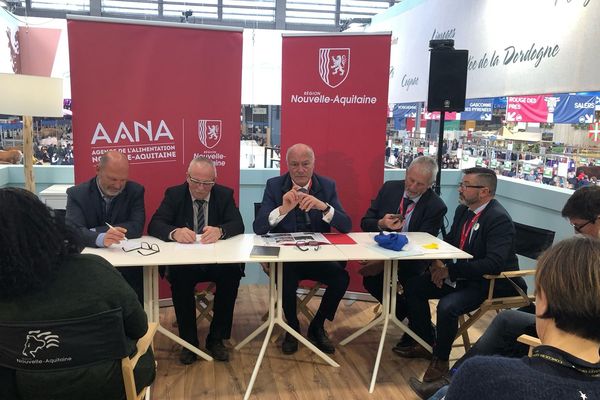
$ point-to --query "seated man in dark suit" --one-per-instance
(300, 201)
(482, 228)
(201, 206)
(403, 206)
(109, 198)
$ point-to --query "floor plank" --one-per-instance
(302, 376)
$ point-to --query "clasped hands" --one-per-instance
(439, 272)
(304, 201)
(210, 234)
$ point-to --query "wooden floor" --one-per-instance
(300, 376)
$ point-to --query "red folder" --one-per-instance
(339, 238)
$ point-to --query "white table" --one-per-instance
(238, 249)
(168, 255)
(367, 249)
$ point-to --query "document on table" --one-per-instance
(194, 246)
(277, 239)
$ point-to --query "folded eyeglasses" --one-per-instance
(145, 249)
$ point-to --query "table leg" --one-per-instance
(151, 306)
(385, 311)
(276, 317)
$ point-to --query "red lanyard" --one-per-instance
(409, 209)
(466, 230)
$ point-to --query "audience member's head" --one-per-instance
(33, 242)
(420, 175)
(567, 284)
(583, 210)
(301, 163)
(112, 172)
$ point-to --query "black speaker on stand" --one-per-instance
(447, 87)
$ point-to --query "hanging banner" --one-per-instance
(478, 110)
(572, 109)
(515, 47)
(403, 111)
(436, 115)
(334, 98)
(162, 94)
(528, 108)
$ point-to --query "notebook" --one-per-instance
(264, 252)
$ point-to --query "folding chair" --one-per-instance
(47, 346)
(530, 242)
(205, 301)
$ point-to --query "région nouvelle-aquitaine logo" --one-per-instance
(334, 65)
(209, 132)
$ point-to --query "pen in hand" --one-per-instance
(112, 227)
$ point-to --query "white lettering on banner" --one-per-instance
(123, 133)
(584, 105)
(217, 158)
(343, 100)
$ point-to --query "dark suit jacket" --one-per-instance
(427, 216)
(85, 210)
(322, 188)
(492, 245)
(176, 211)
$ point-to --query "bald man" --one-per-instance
(302, 201)
(109, 197)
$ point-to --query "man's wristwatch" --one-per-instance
(222, 232)
(326, 210)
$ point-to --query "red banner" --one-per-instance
(160, 93)
(334, 98)
(527, 109)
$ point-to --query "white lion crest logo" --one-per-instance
(37, 340)
(209, 132)
(334, 65)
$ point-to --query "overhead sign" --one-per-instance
(548, 46)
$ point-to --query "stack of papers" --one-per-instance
(280, 239)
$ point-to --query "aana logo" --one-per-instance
(209, 132)
(37, 340)
(334, 66)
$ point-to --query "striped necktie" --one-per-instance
(200, 222)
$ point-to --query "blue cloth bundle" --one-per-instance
(391, 241)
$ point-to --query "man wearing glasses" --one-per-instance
(200, 210)
(482, 228)
(301, 201)
(582, 210)
(409, 205)
(107, 207)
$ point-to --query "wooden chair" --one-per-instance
(75, 343)
(128, 365)
(530, 242)
(530, 341)
(310, 287)
(204, 302)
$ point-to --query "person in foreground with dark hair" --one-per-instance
(567, 314)
(44, 278)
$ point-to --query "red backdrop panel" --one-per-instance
(161, 94)
(334, 98)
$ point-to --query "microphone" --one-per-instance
(306, 216)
